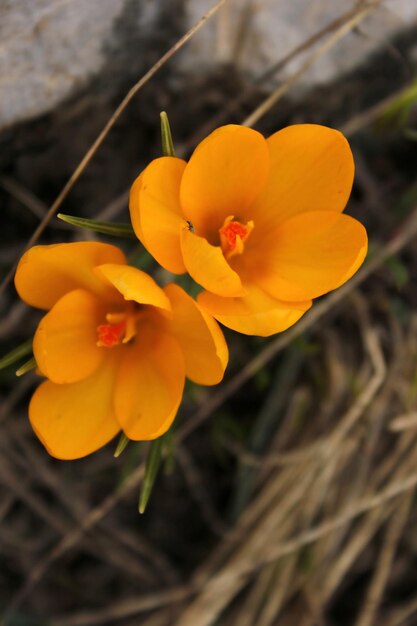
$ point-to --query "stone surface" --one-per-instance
(49, 49)
(257, 33)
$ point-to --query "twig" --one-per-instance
(233, 106)
(394, 489)
(383, 567)
(400, 616)
(199, 493)
(276, 95)
(217, 586)
(364, 118)
(72, 538)
(118, 611)
(103, 134)
(25, 197)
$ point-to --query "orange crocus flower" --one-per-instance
(115, 348)
(257, 222)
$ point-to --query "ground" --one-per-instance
(289, 495)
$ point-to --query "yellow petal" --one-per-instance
(254, 314)
(311, 254)
(223, 177)
(46, 273)
(156, 212)
(134, 285)
(207, 266)
(199, 336)
(74, 420)
(65, 343)
(149, 385)
(312, 169)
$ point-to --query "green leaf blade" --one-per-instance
(104, 228)
(122, 443)
(16, 354)
(28, 366)
(153, 463)
(166, 137)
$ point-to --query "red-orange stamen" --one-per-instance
(110, 335)
(233, 234)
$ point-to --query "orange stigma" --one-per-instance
(110, 335)
(120, 329)
(233, 235)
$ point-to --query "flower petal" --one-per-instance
(207, 266)
(312, 169)
(149, 385)
(65, 343)
(223, 177)
(199, 336)
(311, 254)
(156, 212)
(134, 206)
(74, 420)
(134, 285)
(46, 273)
(254, 314)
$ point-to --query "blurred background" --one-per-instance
(288, 496)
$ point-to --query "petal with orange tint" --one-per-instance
(149, 385)
(254, 314)
(199, 336)
(223, 177)
(156, 212)
(310, 254)
(74, 420)
(65, 343)
(312, 169)
(46, 273)
(134, 285)
(134, 206)
(207, 265)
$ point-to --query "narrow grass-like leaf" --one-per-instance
(397, 113)
(411, 133)
(26, 367)
(16, 354)
(153, 463)
(123, 441)
(170, 445)
(166, 137)
(399, 271)
(105, 228)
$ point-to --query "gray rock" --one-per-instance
(49, 49)
(255, 34)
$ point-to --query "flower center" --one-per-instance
(121, 328)
(233, 235)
